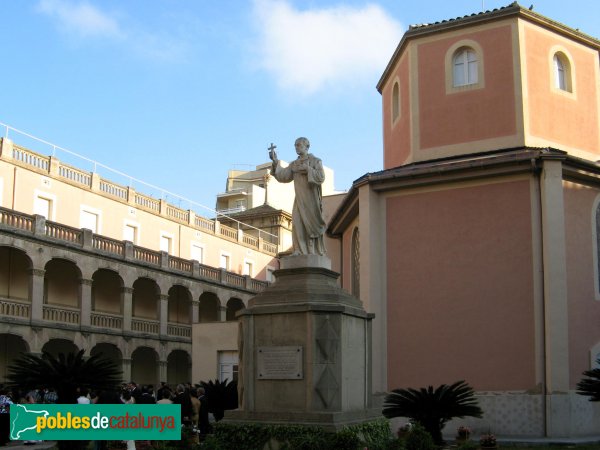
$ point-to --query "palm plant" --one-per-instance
(220, 396)
(590, 386)
(432, 408)
(65, 373)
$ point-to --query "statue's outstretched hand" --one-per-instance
(273, 156)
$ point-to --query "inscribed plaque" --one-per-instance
(279, 363)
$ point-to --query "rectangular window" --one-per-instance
(270, 277)
(43, 206)
(197, 253)
(165, 243)
(225, 261)
(248, 268)
(89, 220)
(130, 233)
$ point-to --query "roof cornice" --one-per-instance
(507, 162)
(512, 10)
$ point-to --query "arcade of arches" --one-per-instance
(59, 300)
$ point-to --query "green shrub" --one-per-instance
(375, 435)
(239, 437)
(396, 444)
(419, 439)
(345, 439)
(468, 445)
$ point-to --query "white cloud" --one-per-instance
(81, 18)
(310, 50)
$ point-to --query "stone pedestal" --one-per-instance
(305, 351)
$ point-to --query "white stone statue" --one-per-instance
(307, 174)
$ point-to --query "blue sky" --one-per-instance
(177, 92)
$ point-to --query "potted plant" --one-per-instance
(488, 440)
(463, 434)
(433, 407)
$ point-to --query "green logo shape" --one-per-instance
(95, 422)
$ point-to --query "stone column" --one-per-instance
(558, 405)
(163, 314)
(88, 236)
(162, 371)
(373, 277)
(164, 260)
(222, 314)
(36, 295)
(127, 307)
(195, 311)
(126, 364)
(85, 294)
(39, 225)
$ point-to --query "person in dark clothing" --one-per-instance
(145, 397)
(159, 392)
(182, 398)
(203, 422)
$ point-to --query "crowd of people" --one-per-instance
(194, 404)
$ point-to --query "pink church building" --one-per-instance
(477, 244)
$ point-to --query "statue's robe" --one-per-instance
(308, 225)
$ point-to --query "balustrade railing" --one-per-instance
(61, 314)
(30, 158)
(234, 279)
(16, 220)
(63, 232)
(257, 285)
(147, 202)
(145, 255)
(180, 264)
(11, 308)
(113, 189)
(108, 245)
(228, 232)
(250, 240)
(269, 247)
(145, 326)
(205, 224)
(178, 214)
(105, 320)
(210, 273)
(115, 247)
(76, 175)
(178, 330)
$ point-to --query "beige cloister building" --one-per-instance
(89, 264)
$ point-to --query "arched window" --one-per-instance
(562, 72)
(465, 67)
(355, 263)
(395, 102)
